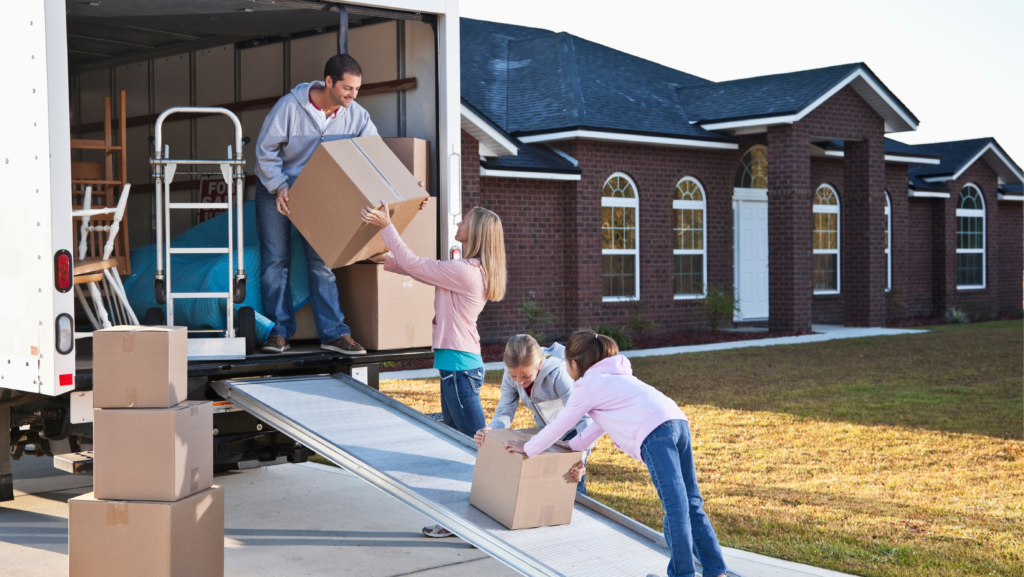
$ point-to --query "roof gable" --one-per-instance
(958, 156)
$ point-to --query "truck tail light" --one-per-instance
(456, 254)
(65, 333)
(62, 276)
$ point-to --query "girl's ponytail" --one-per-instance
(587, 348)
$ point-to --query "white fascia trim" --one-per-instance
(936, 178)
(911, 159)
(1010, 197)
(1002, 157)
(533, 175)
(924, 194)
(835, 153)
(634, 138)
(503, 144)
(791, 118)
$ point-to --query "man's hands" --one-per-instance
(282, 200)
(480, 435)
(578, 470)
(380, 217)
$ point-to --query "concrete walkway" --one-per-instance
(821, 333)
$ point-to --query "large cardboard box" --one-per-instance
(415, 155)
(522, 493)
(153, 454)
(385, 310)
(139, 367)
(421, 234)
(133, 538)
(341, 178)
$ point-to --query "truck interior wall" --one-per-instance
(208, 77)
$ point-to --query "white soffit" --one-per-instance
(896, 120)
(523, 174)
(1010, 197)
(495, 143)
(631, 138)
(888, 157)
(926, 194)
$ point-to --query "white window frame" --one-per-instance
(967, 212)
(693, 205)
(888, 243)
(827, 208)
(633, 203)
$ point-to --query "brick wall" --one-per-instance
(1011, 257)
(789, 228)
(913, 258)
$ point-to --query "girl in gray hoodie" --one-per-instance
(537, 377)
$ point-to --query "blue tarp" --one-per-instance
(209, 273)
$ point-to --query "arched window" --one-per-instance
(826, 240)
(689, 238)
(888, 242)
(620, 243)
(970, 238)
(753, 169)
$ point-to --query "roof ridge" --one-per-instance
(572, 92)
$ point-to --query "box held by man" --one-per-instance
(341, 178)
(133, 538)
(139, 367)
(153, 454)
(522, 493)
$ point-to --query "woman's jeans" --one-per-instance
(668, 454)
(274, 231)
(460, 400)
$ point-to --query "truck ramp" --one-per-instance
(429, 467)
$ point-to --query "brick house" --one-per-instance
(620, 179)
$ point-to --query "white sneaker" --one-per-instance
(437, 532)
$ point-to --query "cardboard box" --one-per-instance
(132, 538)
(153, 454)
(139, 367)
(522, 493)
(341, 178)
(415, 155)
(385, 310)
(421, 234)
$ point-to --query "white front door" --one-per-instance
(752, 259)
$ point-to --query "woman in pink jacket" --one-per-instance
(463, 287)
(649, 427)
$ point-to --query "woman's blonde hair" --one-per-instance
(522, 351)
(487, 243)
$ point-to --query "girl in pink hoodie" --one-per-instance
(649, 427)
(463, 287)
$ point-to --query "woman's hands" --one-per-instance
(578, 470)
(378, 216)
(480, 435)
(515, 446)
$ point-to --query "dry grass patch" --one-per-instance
(888, 456)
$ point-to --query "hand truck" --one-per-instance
(230, 347)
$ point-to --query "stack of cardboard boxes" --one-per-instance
(155, 510)
(385, 311)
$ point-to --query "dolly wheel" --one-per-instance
(247, 328)
(154, 318)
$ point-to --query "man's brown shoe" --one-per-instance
(275, 344)
(344, 345)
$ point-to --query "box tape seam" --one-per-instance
(117, 513)
(377, 170)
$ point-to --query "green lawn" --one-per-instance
(885, 456)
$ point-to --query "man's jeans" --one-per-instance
(274, 232)
(668, 454)
(460, 400)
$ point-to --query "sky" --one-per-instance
(957, 65)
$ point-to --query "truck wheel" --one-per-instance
(154, 318)
(247, 328)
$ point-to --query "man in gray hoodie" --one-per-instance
(312, 113)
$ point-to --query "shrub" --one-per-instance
(719, 306)
(956, 316)
(977, 311)
(893, 306)
(535, 315)
(618, 335)
(637, 323)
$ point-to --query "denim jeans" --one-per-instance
(460, 400)
(668, 454)
(581, 486)
(274, 232)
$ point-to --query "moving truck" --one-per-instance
(63, 59)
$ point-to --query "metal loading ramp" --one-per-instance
(429, 467)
